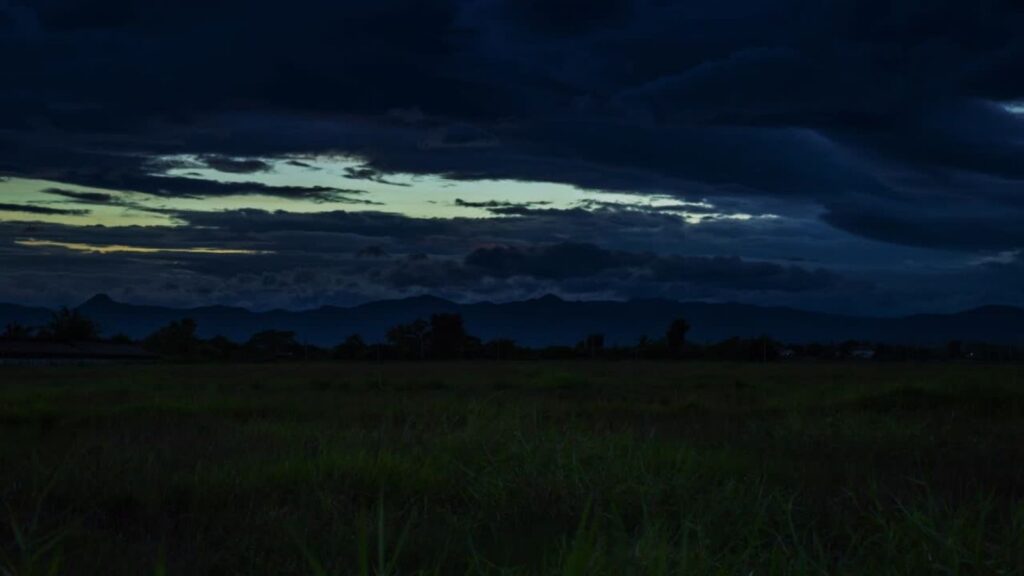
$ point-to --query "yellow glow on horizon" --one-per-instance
(122, 248)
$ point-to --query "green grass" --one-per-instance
(512, 469)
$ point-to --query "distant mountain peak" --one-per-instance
(100, 299)
(549, 298)
(427, 299)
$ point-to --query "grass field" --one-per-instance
(512, 468)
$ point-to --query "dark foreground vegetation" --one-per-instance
(445, 337)
(582, 467)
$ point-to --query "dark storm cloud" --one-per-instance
(181, 187)
(235, 165)
(369, 224)
(306, 260)
(43, 210)
(574, 260)
(783, 98)
(629, 229)
(372, 252)
(83, 197)
(566, 260)
(884, 120)
(138, 173)
(735, 273)
(371, 174)
(369, 262)
(564, 17)
(933, 229)
(461, 136)
(499, 206)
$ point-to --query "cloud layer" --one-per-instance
(884, 137)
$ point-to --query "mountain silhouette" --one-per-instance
(550, 320)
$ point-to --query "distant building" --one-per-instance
(25, 352)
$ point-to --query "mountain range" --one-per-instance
(550, 320)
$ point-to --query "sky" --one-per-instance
(855, 156)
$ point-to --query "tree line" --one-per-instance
(445, 337)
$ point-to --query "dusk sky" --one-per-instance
(853, 156)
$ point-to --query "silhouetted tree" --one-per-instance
(447, 336)
(954, 349)
(472, 347)
(675, 336)
(766, 349)
(409, 340)
(220, 348)
(69, 324)
(353, 348)
(593, 344)
(15, 331)
(274, 344)
(644, 348)
(176, 339)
